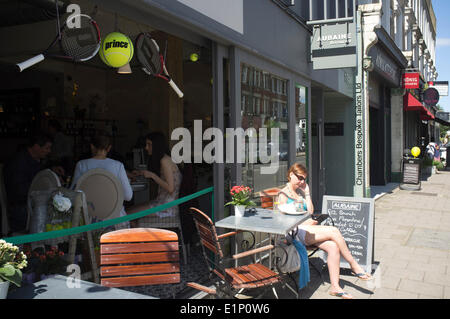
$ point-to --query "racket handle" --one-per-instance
(176, 89)
(30, 62)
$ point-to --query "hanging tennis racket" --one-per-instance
(75, 43)
(152, 61)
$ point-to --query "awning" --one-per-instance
(441, 121)
(410, 103)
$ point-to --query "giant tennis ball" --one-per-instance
(116, 50)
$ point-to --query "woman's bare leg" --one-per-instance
(333, 263)
(318, 234)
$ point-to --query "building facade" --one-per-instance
(254, 70)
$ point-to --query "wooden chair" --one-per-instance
(139, 256)
(268, 197)
(232, 279)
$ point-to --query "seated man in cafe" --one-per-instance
(100, 147)
(19, 172)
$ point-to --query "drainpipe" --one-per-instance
(368, 16)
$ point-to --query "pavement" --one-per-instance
(412, 246)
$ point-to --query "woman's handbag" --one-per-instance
(287, 257)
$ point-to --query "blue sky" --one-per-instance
(442, 11)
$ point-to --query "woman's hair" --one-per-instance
(159, 149)
(101, 142)
(297, 169)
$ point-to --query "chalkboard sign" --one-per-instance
(411, 171)
(355, 219)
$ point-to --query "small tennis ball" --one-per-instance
(194, 57)
(116, 50)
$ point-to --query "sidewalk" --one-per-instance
(412, 246)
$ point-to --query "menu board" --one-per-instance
(411, 171)
(354, 217)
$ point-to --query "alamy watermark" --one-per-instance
(237, 142)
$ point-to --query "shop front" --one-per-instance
(234, 73)
(388, 65)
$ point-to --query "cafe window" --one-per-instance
(301, 124)
(267, 93)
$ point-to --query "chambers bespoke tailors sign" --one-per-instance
(334, 46)
(354, 217)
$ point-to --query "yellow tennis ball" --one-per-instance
(194, 57)
(415, 151)
(116, 50)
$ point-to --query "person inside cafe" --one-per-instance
(310, 233)
(19, 172)
(165, 173)
(100, 146)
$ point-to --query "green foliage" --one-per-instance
(11, 262)
(439, 165)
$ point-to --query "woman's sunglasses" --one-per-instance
(300, 177)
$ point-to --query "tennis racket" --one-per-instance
(75, 44)
(152, 61)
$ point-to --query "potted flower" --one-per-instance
(240, 199)
(59, 211)
(44, 262)
(12, 261)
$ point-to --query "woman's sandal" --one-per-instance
(363, 276)
(343, 295)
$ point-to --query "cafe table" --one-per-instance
(272, 222)
(62, 287)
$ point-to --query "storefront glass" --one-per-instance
(264, 105)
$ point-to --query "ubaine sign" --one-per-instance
(354, 217)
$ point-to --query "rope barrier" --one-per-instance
(85, 228)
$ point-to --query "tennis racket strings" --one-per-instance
(148, 55)
(81, 43)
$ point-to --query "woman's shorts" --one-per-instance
(298, 234)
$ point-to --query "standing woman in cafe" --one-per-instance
(100, 146)
(327, 238)
(164, 172)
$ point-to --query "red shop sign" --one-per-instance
(411, 80)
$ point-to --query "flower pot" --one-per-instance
(239, 210)
(4, 285)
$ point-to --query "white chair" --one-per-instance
(104, 193)
(3, 204)
(103, 198)
(45, 180)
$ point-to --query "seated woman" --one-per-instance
(100, 147)
(164, 172)
(327, 238)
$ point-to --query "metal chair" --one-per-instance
(44, 180)
(232, 279)
(103, 199)
(104, 193)
(139, 256)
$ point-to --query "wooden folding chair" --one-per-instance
(232, 279)
(139, 256)
(268, 197)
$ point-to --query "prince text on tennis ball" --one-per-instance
(116, 50)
